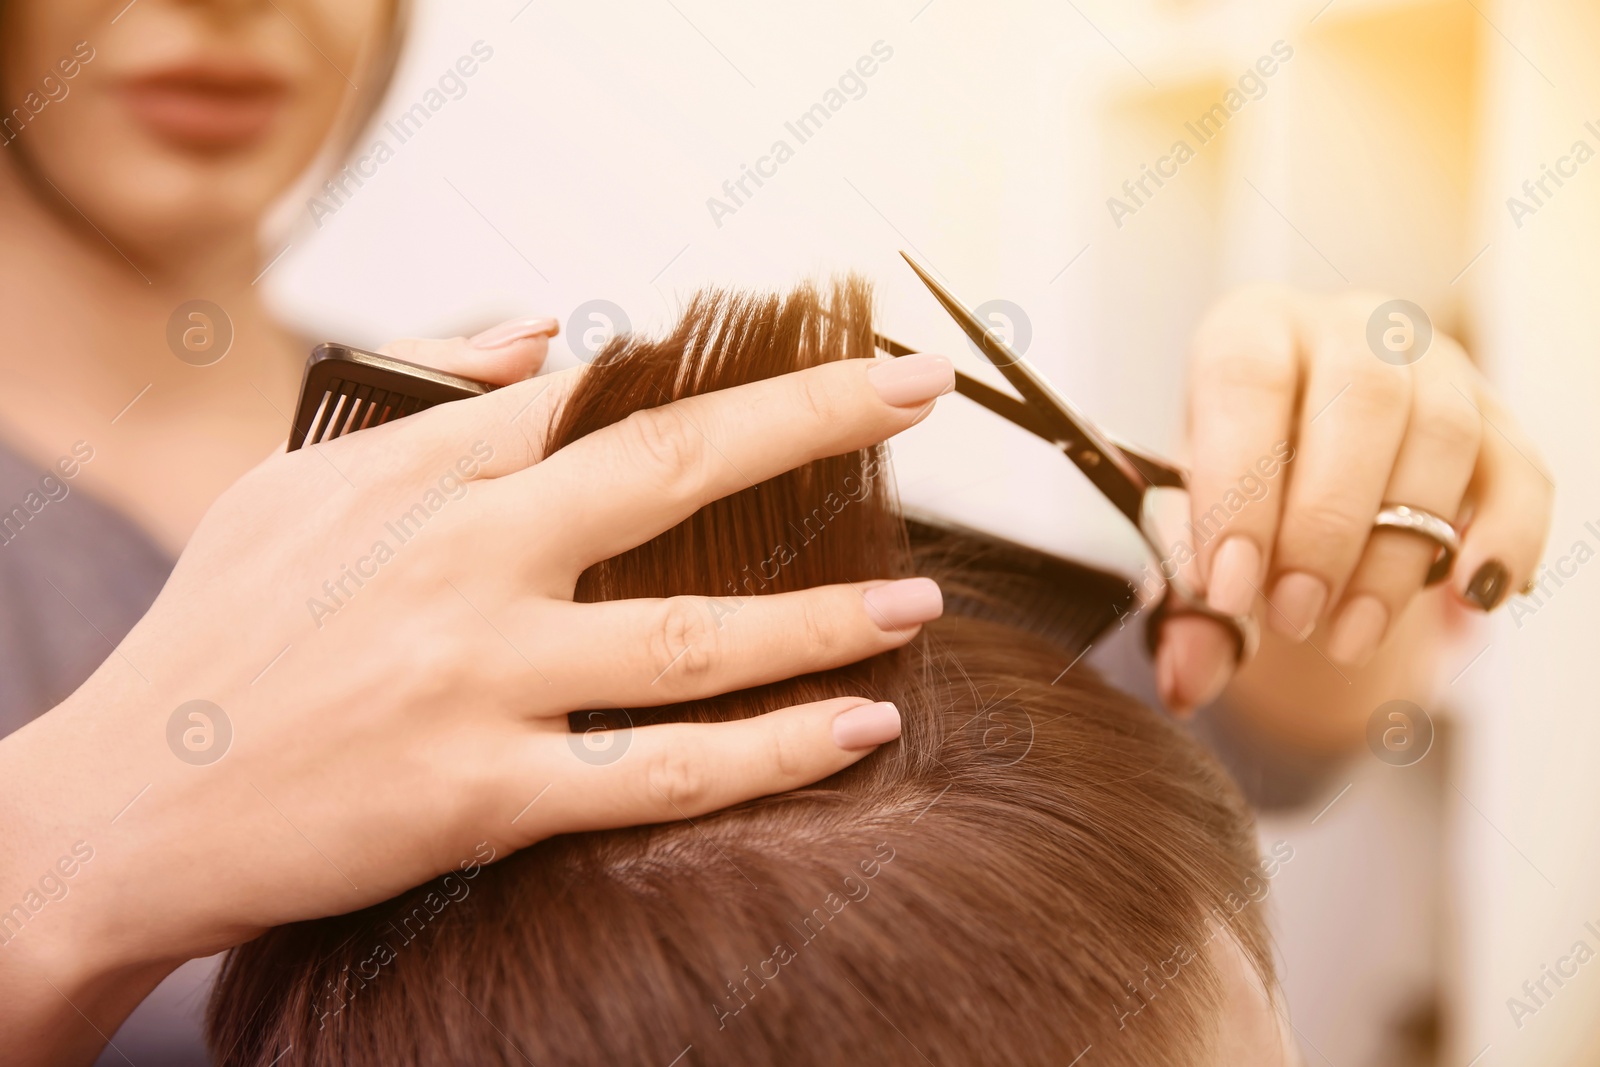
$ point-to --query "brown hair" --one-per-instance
(1033, 868)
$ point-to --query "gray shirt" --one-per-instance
(75, 575)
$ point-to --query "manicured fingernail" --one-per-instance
(1358, 630)
(1296, 604)
(1167, 682)
(1213, 670)
(907, 602)
(914, 379)
(1235, 569)
(1488, 585)
(516, 330)
(868, 726)
(1199, 662)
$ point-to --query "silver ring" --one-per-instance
(1424, 523)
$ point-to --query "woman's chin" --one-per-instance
(154, 194)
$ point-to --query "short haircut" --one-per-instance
(1035, 867)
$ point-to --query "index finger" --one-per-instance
(620, 486)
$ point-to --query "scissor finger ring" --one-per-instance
(1245, 630)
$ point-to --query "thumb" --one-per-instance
(500, 355)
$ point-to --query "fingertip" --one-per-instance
(1296, 604)
(511, 351)
(866, 726)
(506, 364)
(1358, 631)
(513, 332)
(1167, 684)
(1486, 586)
(1200, 665)
(902, 606)
(912, 381)
(1235, 570)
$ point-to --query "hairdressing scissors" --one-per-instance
(1125, 476)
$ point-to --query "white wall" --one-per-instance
(1533, 880)
(592, 140)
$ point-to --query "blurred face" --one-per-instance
(174, 121)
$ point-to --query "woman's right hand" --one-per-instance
(383, 633)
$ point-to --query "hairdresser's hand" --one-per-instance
(1300, 435)
(383, 629)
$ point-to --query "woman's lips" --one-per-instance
(205, 109)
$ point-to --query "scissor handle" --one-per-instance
(1132, 499)
(1176, 601)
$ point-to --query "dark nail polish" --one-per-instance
(1488, 585)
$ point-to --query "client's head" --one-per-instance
(1038, 867)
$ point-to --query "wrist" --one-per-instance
(60, 1005)
(73, 959)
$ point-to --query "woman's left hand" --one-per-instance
(1288, 382)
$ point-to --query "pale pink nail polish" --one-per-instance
(1167, 682)
(516, 330)
(1296, 604)
(914, 379)
(1215, 682)
(1201, 661)
(1235, 569)
(867, 726)
(1358, 631)
(907, 602)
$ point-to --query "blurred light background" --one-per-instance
(578, 164)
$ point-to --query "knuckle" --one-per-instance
(530, 443)
(817, 396)
(1448, 422)
(1247, 339)
(661, 440)
(1322, 530)
(818, 627)
(682, 782)
(1255, 362)
(786, 751)
(1378, 392)
(684, 643)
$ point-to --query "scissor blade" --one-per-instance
(1102, 462)
(1003, 404)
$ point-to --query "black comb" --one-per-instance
(346, 389)
(986, 577)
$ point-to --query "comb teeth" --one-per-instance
(346, 389)
(348, 406)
